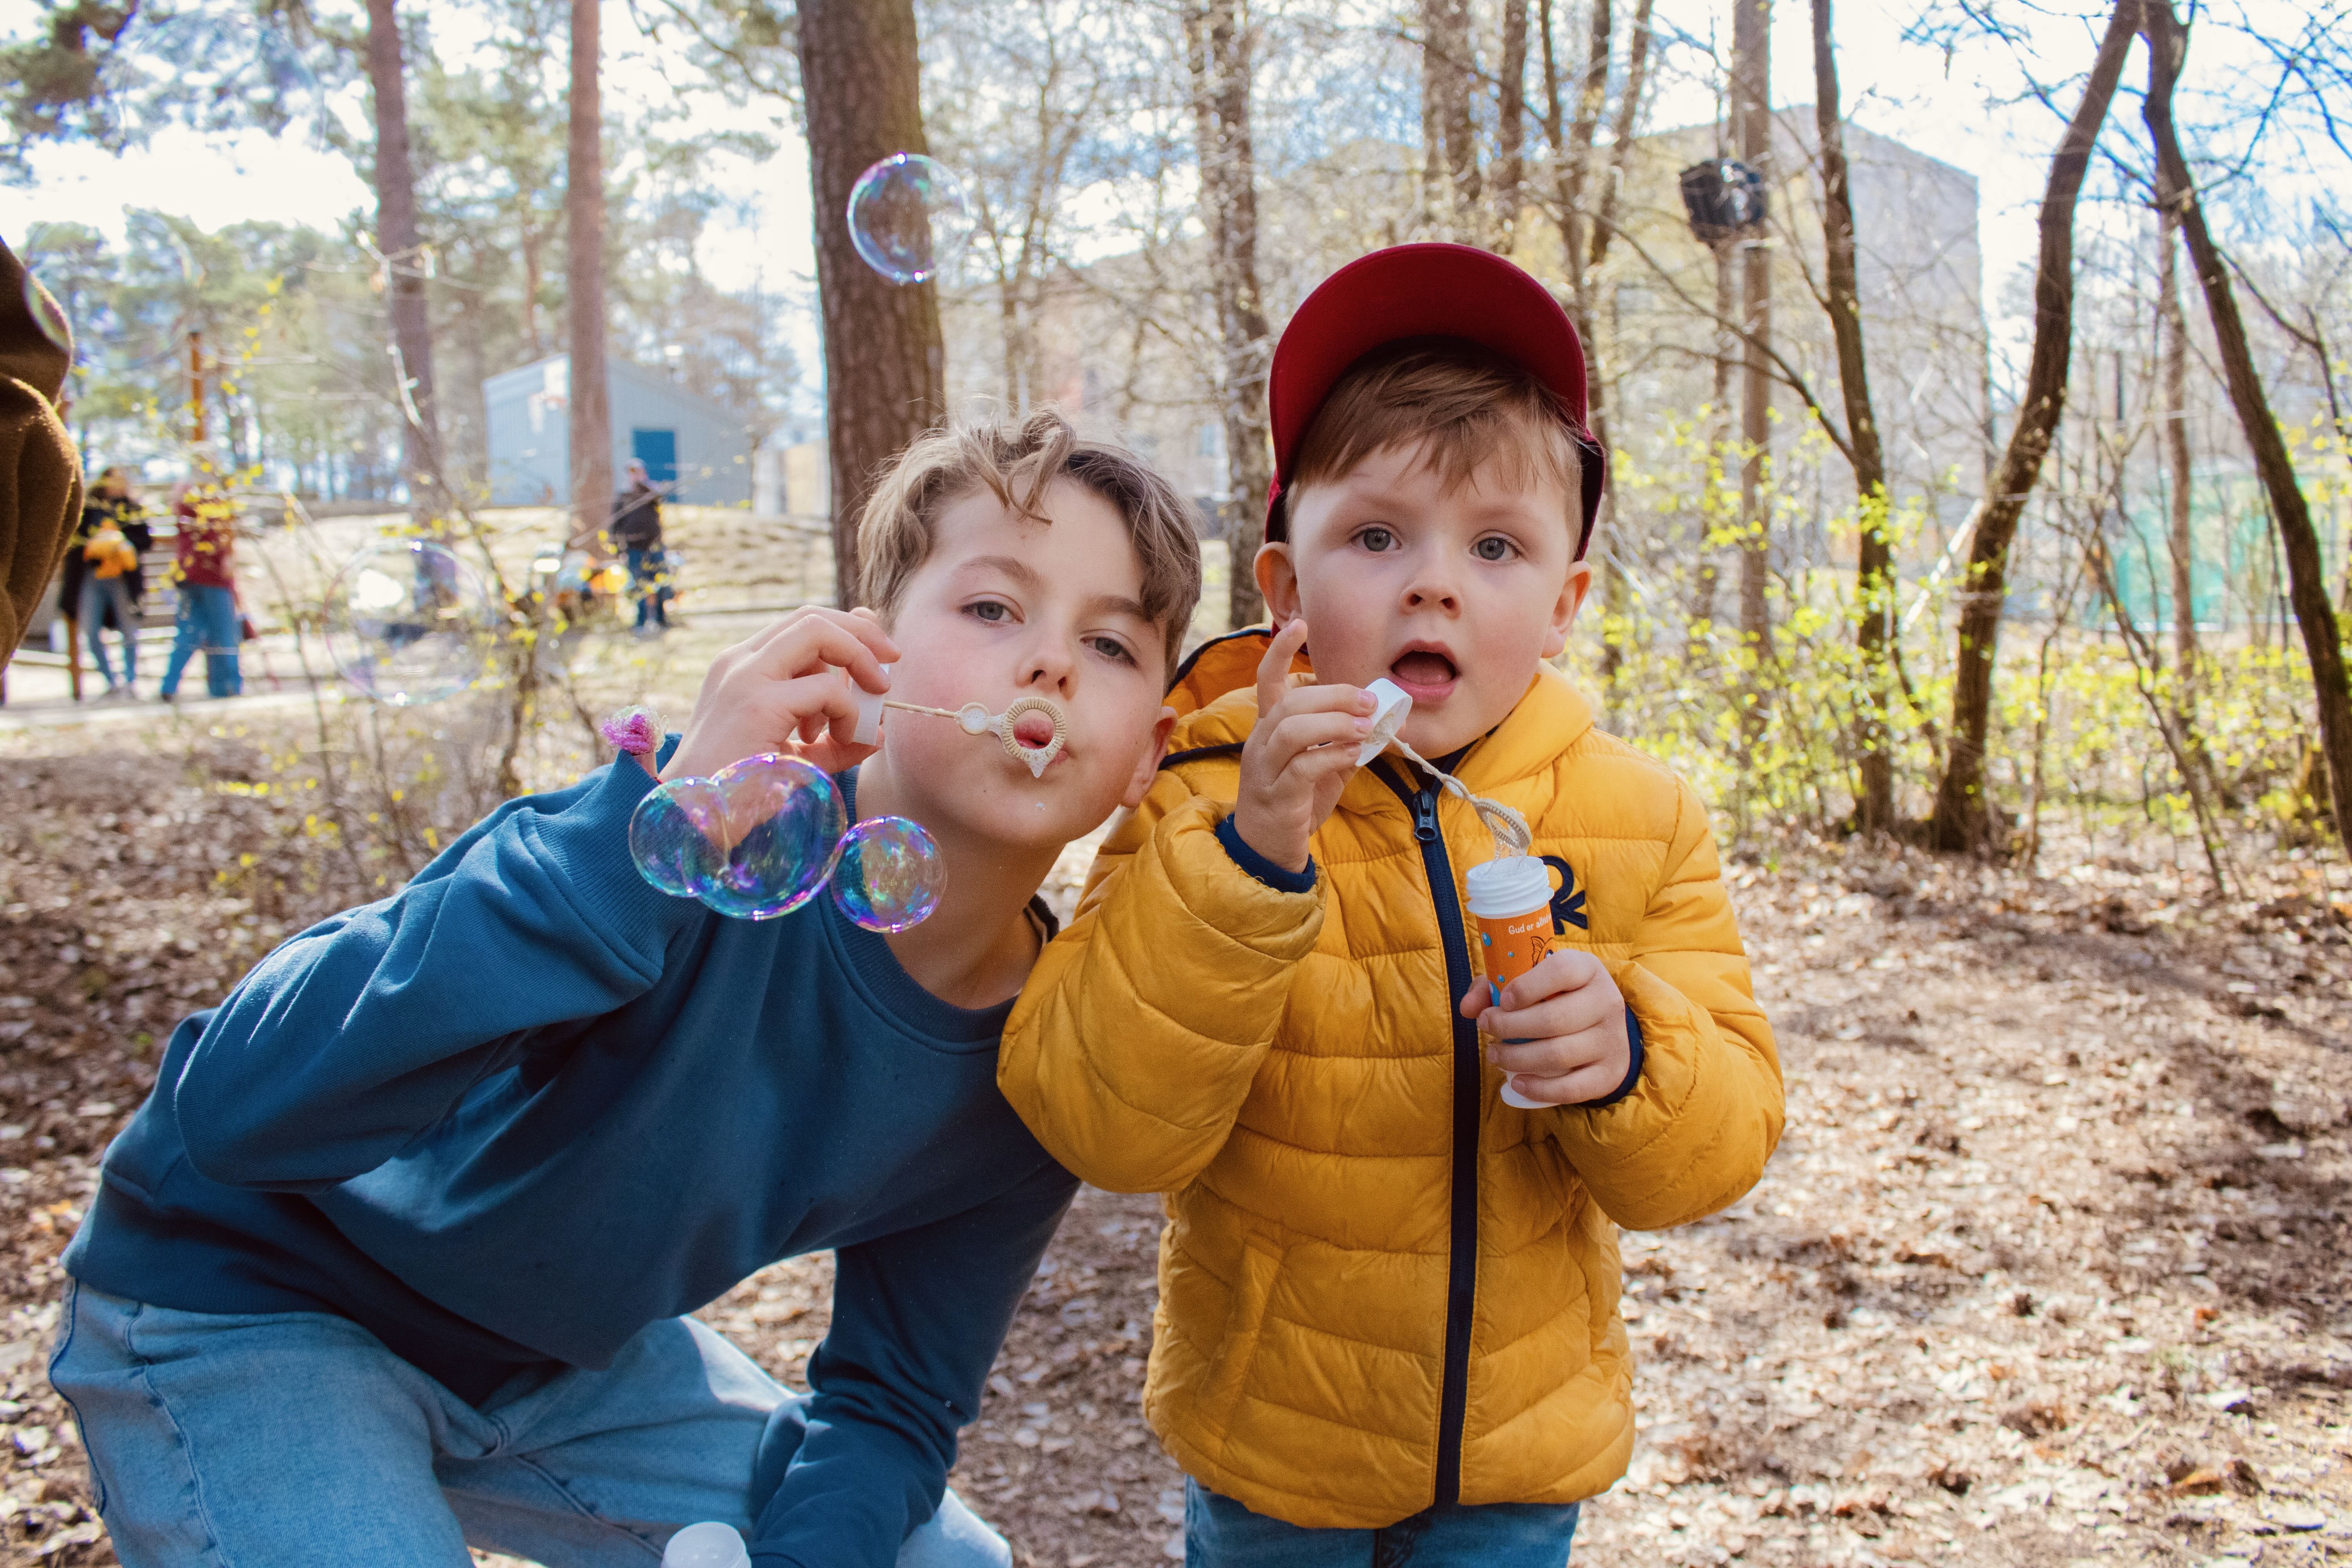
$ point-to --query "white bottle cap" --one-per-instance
(712, 1544)
(1395, 708)
(869, 713)
(1514, 885)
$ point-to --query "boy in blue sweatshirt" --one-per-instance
(394, 1257)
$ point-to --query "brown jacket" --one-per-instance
(40, 477)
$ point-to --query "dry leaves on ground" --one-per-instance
(2049, 1268)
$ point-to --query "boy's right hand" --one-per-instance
(1300, 755)
(791, 687)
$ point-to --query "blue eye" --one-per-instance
(1494, 547)
(1111, 648)
(1377, 540)
(989, 610)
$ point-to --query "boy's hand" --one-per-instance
(788, 689)
(1300, 755)
(1560, 1031)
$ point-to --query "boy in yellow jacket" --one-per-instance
(1388, 1324)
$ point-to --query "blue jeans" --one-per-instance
(1221, 1533)
(294, 1439)
(91, 612)
(207, 619)
(647, 580)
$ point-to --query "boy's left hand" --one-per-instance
(1560, 1031)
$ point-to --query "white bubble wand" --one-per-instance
(974, 719)
(1508, 827)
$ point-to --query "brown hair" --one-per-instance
(1015, 463)
(1463, 405)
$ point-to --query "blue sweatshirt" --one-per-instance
(529, 1105)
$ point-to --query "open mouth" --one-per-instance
(1423, 672)
(1034, 730)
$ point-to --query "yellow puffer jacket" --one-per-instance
(1381, 1288)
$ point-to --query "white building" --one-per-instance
(699, 449)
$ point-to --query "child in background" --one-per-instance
(102, 582)
(1388, 1325)
(394, 1259)
(204, 572)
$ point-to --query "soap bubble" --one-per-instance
(408, 623)
(908, 218)
(890, 874)
(220, 68)
(782, 834)
(674, 834)
(47, 313)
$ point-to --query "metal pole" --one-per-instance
(196, 387)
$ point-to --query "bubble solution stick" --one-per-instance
(976, 719)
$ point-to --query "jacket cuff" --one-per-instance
(1280, 878)
(588, 844)
(1632, 1068)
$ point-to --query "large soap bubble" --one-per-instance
(783, 833)
(225, 67)
(890, 875)
(408, 623)
(675, 833)
(908, 218)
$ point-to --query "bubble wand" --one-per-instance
(1510, 897)
(974, 719)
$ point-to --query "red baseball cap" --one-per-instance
(1429, 291)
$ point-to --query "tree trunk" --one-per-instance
(1451, 161)
(1615, 587)
(1873, 584)
(1218, 42)
(2172, 328)
(583, 211)
(1620, 131)
(403, 283)
(1963, 819)
(2168, 44)
(884, 362)
(1510, 125)
(1718, 443)
(1752, 88)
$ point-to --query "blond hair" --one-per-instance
(1462, 405)
(1015, 462)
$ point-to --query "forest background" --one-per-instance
(1990, 575)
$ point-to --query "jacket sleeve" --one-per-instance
(1138, 1035)
(918, 1319)
(348, 1040)
(1693, 1135)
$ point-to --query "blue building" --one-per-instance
(698, 450)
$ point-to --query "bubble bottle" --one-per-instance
(1508, 897)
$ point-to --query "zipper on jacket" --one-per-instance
(1462, 1237)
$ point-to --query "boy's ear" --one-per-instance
(1563, 612)
(1277, 582)
(1148, 769)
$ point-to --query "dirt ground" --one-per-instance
(2051, 1266)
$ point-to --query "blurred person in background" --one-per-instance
(102, 577)
(207, 616)
(638, 529)
(40, 477)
